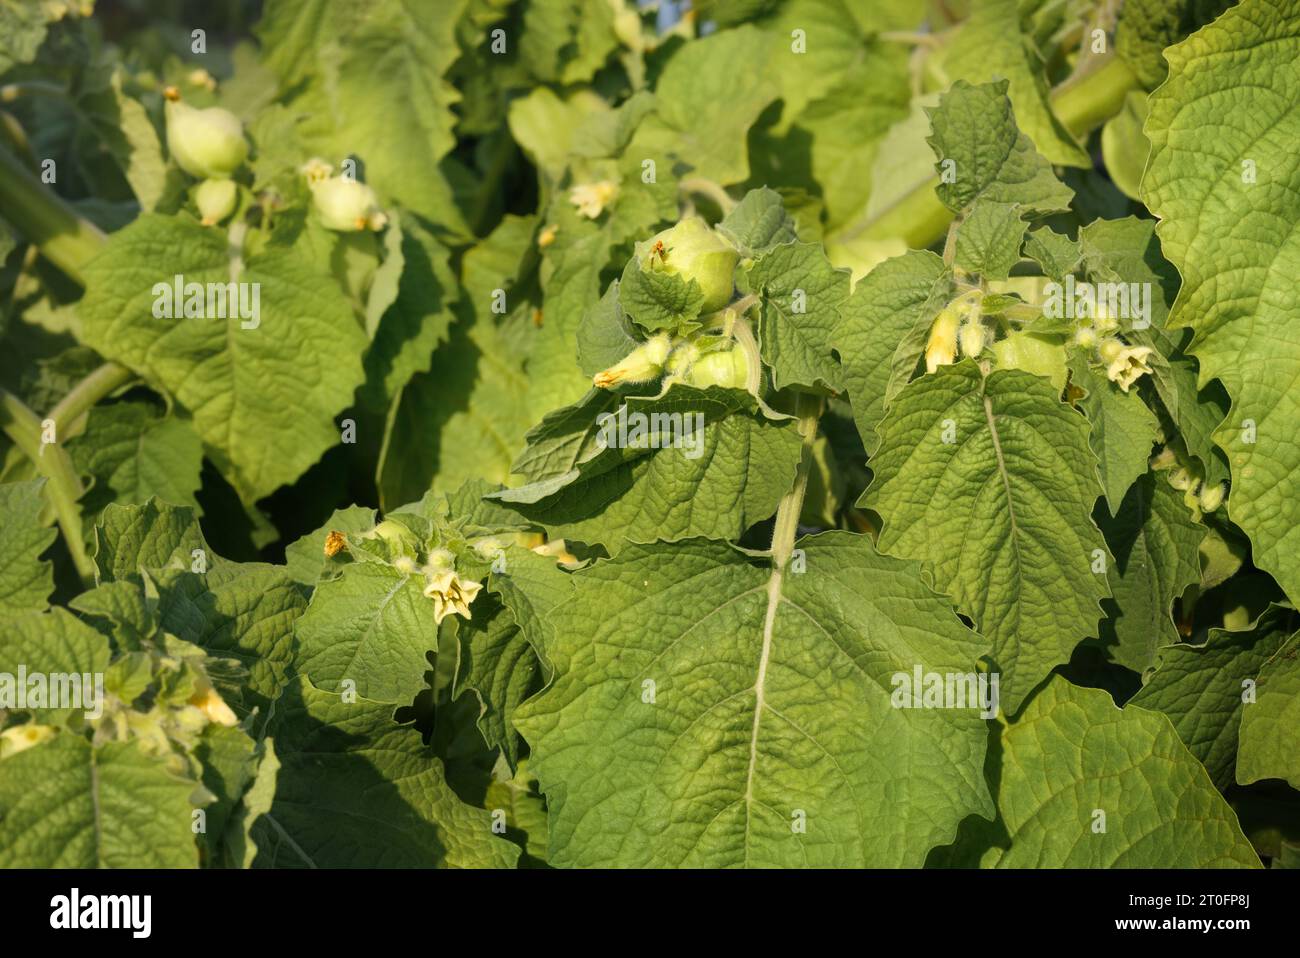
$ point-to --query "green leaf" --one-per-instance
(882, 332)
(758, 223)
(1147, 27)
(50, 642)
(372, 625)
(993, 43)
(245, 611)
(304, 558)
(974, 128)
(1234, 301)
(756, 701)
(1268, 724)
(23, 25)
(246, 388)
(1073, 756)
(988, 240)
(1155, 544)
(135, 452)
(659, 300)
(1124, 147)
(419, 317)
(606, 334)
(567, 41)
(69, 804)
(151, 536)
(713, 483)
(464, 419)
(498, 663)
(1200, 688)
(238, 845)
(355, 790)
(25, 580)
(802, 295)
(1123, 430)
(525, 813)
(991, 483)
(1057, 254)
(708, 96)
(379, 90)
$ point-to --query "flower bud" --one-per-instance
(972, 338)
(206, 143)
(941, 349)
(693, 251)
(215, 200)
(1085, 337)
(345, 204)
(1212, 497)
(641, 365)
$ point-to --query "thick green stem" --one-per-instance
(63, 487)
(1082, 104)
(64, 238)
(699, 186)
(808, 410)
(85, 394)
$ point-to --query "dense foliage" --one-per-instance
(499, 433)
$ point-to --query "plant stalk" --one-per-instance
(65, 239)
(808, 410)
(63, 485)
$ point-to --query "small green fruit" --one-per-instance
(206, 143)
(693, 251)
(346, 205)
(216, 200)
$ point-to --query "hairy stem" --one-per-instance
(808, 410)
(63, 486)
(699, 186)
(64, 238)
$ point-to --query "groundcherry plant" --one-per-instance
(803, 433)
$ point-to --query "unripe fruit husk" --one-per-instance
(345, 204)
(693, 251)
(205, 143)
(728, 368)
(216, 200)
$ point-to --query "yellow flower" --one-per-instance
(941, 349)
(557, 550)
(317, 170)
(547, 236)
(1126, 363)
(22, 737)
(450, 593)
(210, 703)
(592, 198)
(641, 365)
